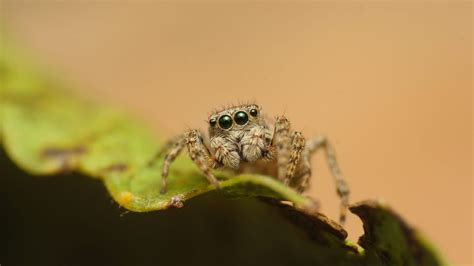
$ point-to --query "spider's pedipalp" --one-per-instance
(253, 143)
(225, 151)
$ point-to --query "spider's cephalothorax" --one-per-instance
(238, 134)
(241, 139)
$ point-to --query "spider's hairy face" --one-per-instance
(237, 134)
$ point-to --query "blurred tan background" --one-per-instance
(389, 83)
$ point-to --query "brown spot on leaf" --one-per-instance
(56, 152)
(64, 156)
(117, 167)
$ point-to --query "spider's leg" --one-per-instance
(301, 181)
(297, 147)
(176, 147)
(281, 141)
(200, 155)
(342, 189)
(166, 147)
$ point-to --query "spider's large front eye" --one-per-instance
(225, 122)
(241, 118)
(254, 112)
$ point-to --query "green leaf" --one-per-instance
(46, 130)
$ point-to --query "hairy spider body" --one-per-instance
(241, 139)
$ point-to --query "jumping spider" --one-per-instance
(240, 139)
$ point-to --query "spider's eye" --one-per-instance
(212, 122)
(241, 118)
(254, 112)
(225, 122)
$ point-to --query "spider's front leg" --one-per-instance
(281, 142)
(297, 147)
(289, 149)
(197, 151)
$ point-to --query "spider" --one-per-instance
(241, 139)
